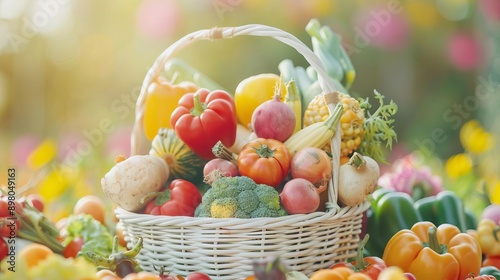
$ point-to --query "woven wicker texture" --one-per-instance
(225, 248)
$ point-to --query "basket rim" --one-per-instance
(296, 219)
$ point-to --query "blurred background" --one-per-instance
(70, 72)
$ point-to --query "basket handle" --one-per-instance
(229, 32)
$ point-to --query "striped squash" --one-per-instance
(183, 163)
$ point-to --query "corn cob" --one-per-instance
(293, 100)
(351, 122)
(317, 134)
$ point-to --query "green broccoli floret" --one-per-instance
(239, 197)
(267, 196)
(248, 200)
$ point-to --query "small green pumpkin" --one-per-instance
(183, 163)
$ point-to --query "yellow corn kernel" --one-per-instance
(351, 122)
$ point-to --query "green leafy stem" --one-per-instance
(378, 128)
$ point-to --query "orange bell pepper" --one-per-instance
(434, 253)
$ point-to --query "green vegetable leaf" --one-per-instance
(378, 128)
(95, 235)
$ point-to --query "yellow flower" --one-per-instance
(458, 165)
(422, 14)
(475, 139)
(495, 193)
(43, 154)
(53, 185)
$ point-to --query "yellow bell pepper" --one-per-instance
(434, 253)
(487, 235)
(253, 91)
(161, 100)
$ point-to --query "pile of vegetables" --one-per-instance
(274, 129)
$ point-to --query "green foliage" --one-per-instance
(378, 127)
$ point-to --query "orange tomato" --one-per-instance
(340, 273)
(34, 253)
(106, 274)
(266, 161)
(143, 275)
(358, 276)
(92, 205)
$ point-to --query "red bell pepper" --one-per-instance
(491, 261)
(371, 266)
(203, 118)
(180, 199)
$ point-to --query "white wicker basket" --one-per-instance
(225, 248)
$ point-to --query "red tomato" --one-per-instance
(198, 276)
(9, 228)
(17, 207)
(36, 201)
(8, 207)
(4, 211)
(4, 249)
(73, 247)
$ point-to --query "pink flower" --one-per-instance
(22, 148)
(381, 27)
(465, 51)
(409, 178)
(158, 19)
(491, 9)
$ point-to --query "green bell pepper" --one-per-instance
(390, 212)
(446, 208)
(470, 219)
(426, 208)
(450, 209)
(490, 270)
